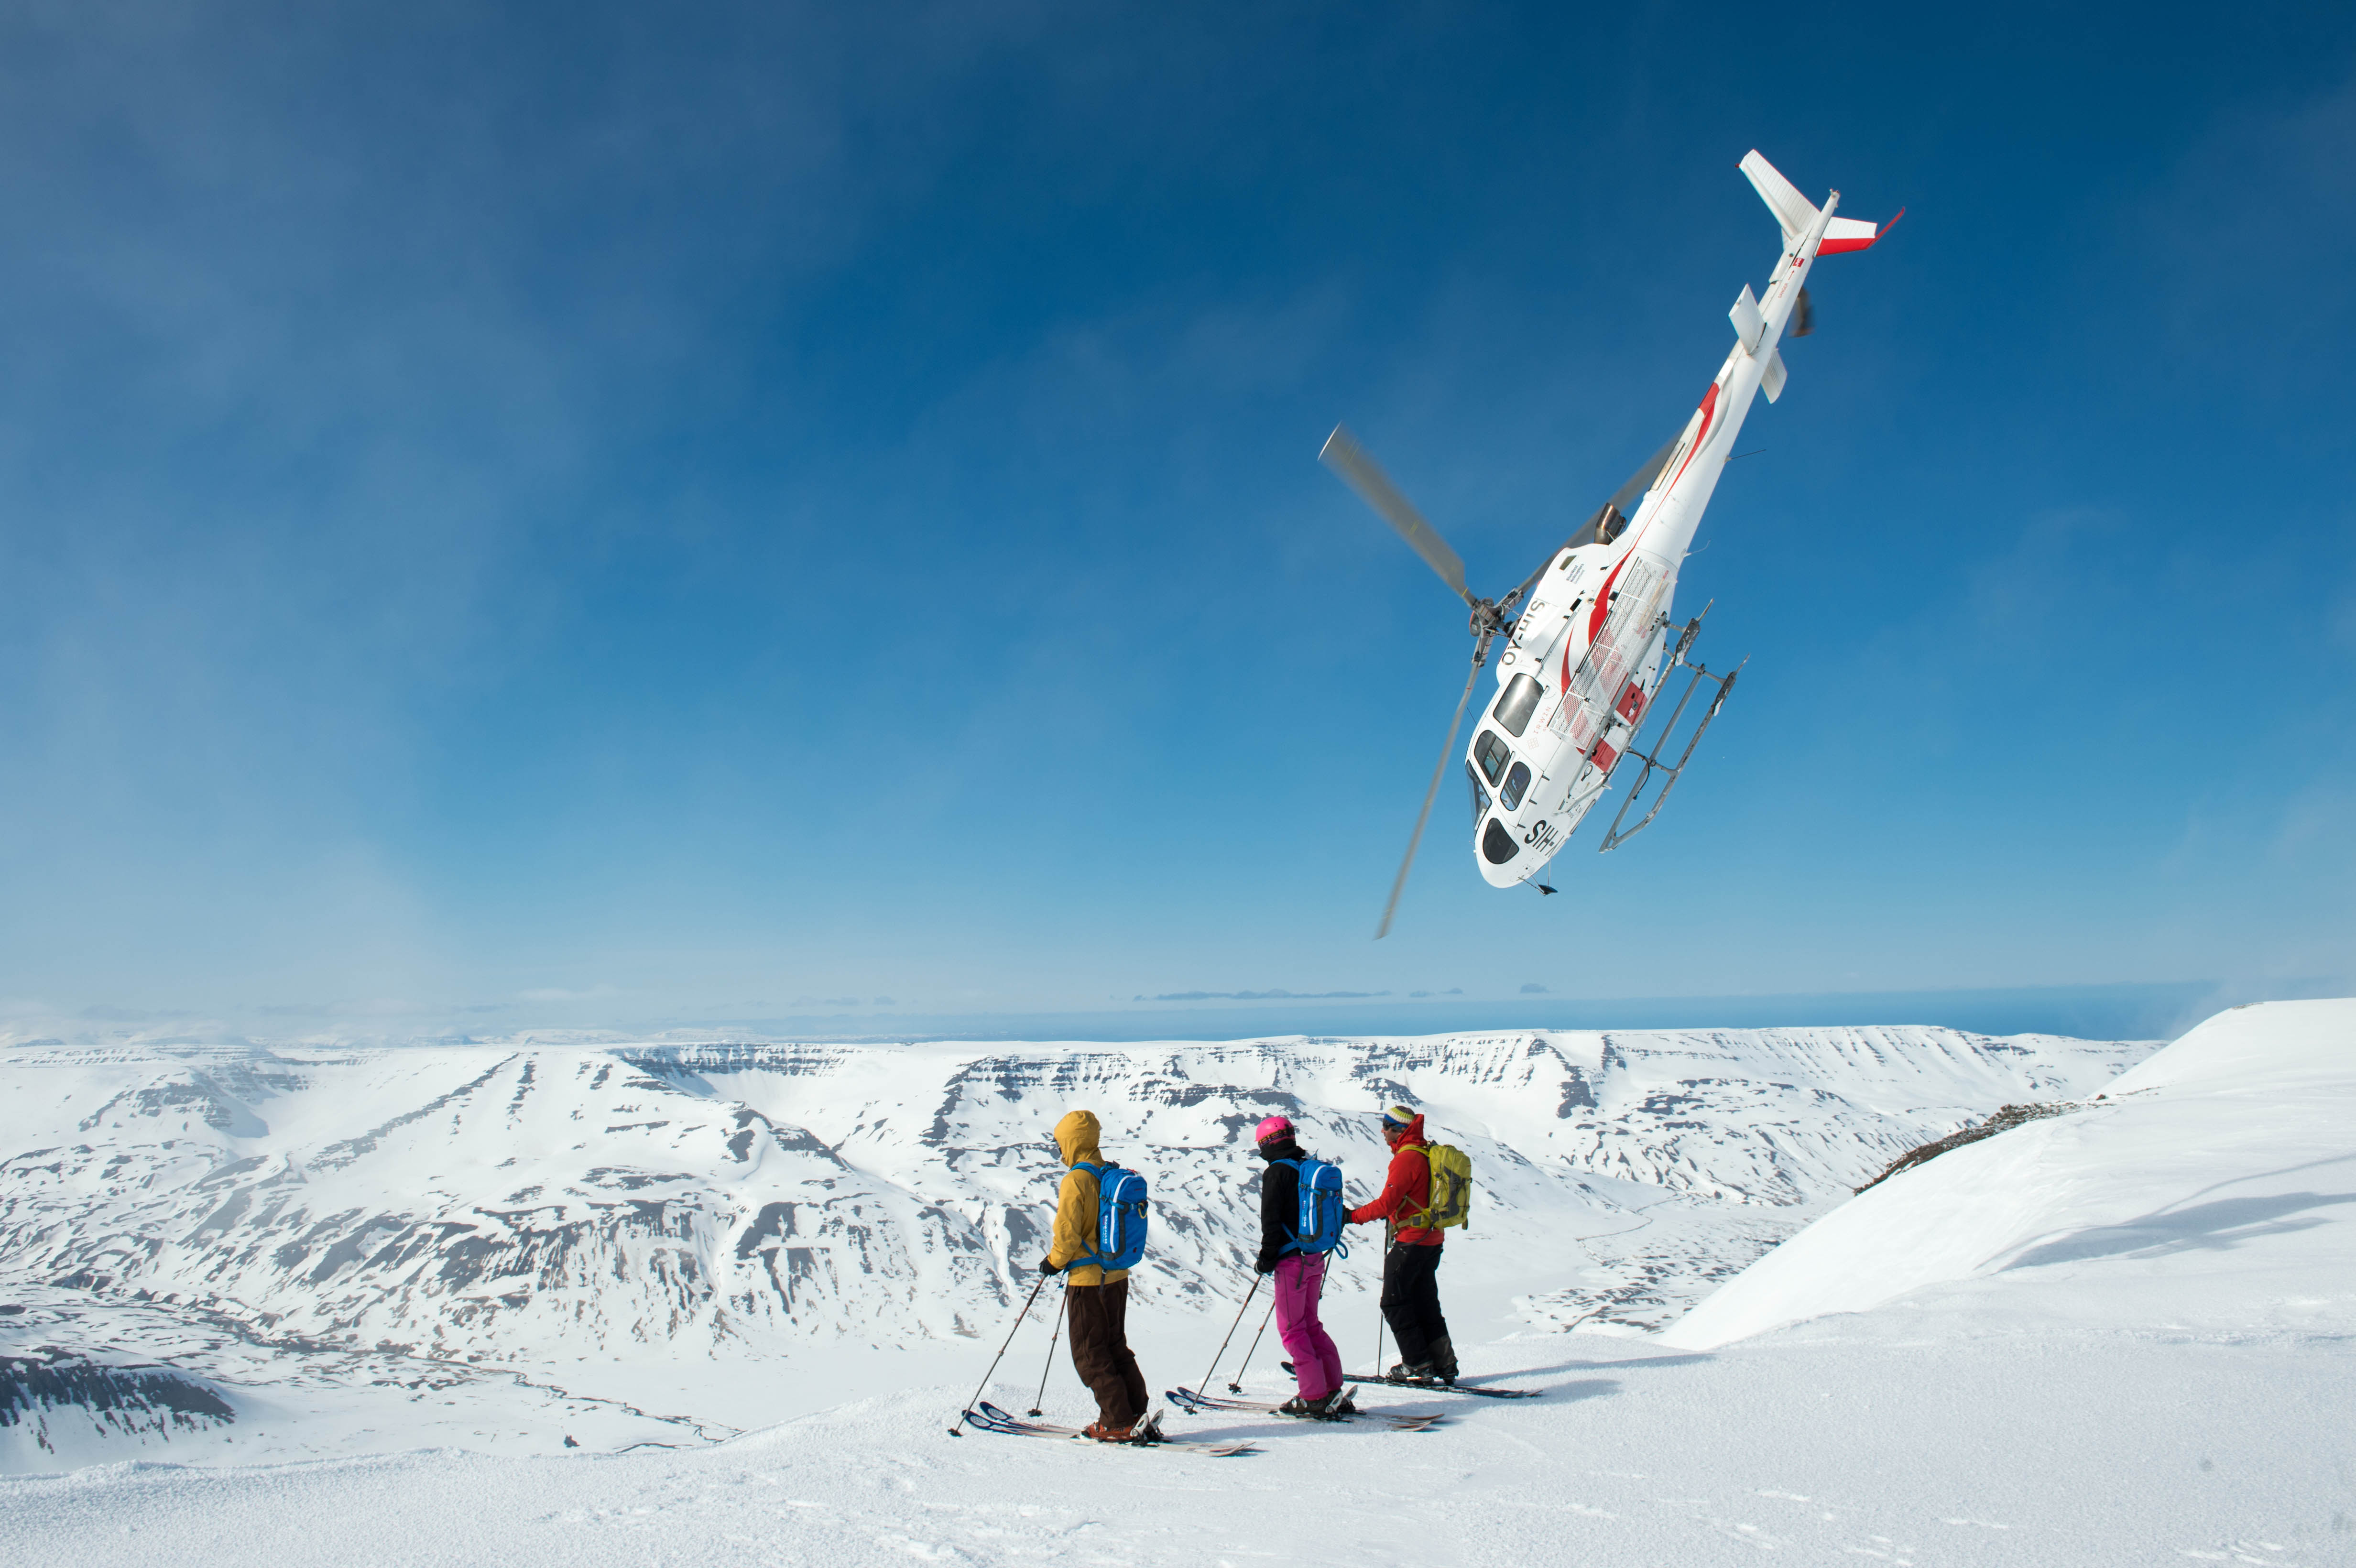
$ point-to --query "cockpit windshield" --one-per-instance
(1479, 795)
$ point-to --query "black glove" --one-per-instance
(1263, 1266)
(1047, 1265)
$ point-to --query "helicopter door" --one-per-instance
(1479, 795)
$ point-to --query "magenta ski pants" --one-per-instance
(1315, 1362)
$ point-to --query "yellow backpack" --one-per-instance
(1451, 1189)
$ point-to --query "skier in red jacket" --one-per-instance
(1411, 1261)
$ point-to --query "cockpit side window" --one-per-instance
(1514, 707)
(1516, 783)
(1492, 754)
(1479, 795)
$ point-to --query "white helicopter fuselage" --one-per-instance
(1587, 655)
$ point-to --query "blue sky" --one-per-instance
(636, 516)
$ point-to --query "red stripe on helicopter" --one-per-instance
(1708, 416)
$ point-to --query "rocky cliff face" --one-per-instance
(58, 1404)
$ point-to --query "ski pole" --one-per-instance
(1238, 1386)
(1039, 1399)
(998, 1357)
(1378, 1370)
(1231, 1332)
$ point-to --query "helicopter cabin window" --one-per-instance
(1516, 783)
(1479, 795)
(1513, 709)
(1492, 754)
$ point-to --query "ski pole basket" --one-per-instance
(1721, 685)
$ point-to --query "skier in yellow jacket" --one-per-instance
(1095, 1303)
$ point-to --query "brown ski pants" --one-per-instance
(1098, 1315)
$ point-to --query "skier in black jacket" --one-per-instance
(1299, 1278)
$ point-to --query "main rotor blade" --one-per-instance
(1642, 480)
(1345, 456)
(1398, 883)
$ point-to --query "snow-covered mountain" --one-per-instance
(436, 1212)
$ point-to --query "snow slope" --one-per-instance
(2211, 1191)
(2043, 1424)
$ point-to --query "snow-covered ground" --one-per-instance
(2043, 1348)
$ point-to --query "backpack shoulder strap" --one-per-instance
(1422, 1220)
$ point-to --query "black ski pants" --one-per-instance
(1411, 1304)
(1099, 1319)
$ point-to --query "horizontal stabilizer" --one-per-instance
(1845, 234)
(1796, 212)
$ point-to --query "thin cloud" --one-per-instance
(1261, 996)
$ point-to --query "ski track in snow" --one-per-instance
(413, 1271)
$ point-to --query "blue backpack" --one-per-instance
(1120, 1217)
(1321, 1208)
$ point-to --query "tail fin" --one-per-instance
(1797, 213)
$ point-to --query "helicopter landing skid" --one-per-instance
(1721, 686)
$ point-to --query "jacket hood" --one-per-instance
(1076, 1135)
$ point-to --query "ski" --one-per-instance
(1486, 1390)
(1187, 1400)
(988, 1417)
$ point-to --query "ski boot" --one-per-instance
(1414, 1372)
(1335, 1404)
(1443, 1362)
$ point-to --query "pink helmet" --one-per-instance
(1273, 1129)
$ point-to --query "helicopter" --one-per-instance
(1589, 641)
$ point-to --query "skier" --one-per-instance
(1411, 1261)
(1299, 1278)
(1095, 1302)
